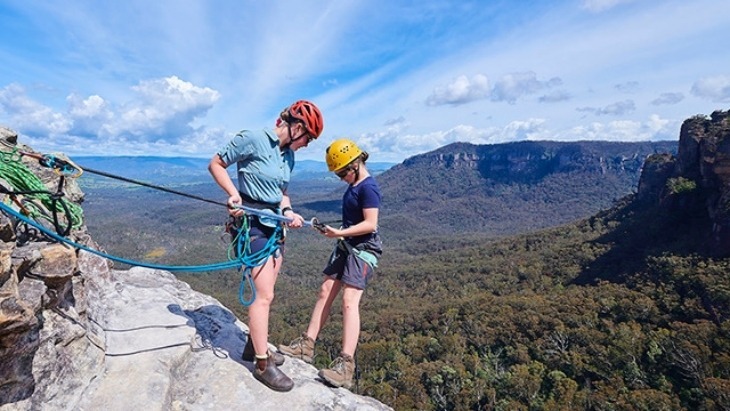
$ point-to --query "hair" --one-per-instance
(286, 117)
(362, 158)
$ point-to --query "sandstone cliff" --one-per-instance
(695, 182)
(76, 334)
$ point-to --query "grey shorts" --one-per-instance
(348, 268)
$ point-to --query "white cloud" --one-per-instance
(653, 129)
(628, 87)
(396, 121)
(668, 98)
(396, 143)
(30, 116)
(93, 106)
(88, 115)
(462, 90)
(618, 108)
(163, 109)
(555, 96)
(531, 129)
(515, 85)
(160, 117)
(715, 88)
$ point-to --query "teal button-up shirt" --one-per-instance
(264, 170)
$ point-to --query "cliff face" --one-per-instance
(534, 160)
(697, 180)
(77, 334)
(512, 188)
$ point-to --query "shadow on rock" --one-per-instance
(217, 329)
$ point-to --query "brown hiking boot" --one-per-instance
(271, 376)
(249, 353)
(302, 348)
(340, 372)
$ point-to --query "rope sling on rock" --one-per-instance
(25, 183)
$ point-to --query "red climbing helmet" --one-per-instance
(310, 115)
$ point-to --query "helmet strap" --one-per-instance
(291, 140)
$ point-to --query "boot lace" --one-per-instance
(338, 365)
(297, 343)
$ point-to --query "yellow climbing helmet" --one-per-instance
(341, 153)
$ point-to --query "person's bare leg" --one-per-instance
(258, 312)
(327, 294)
(350, 319)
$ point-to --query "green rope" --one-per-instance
(22, 179)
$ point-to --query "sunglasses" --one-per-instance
(308, 136)
(343, 173)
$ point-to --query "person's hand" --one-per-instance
(234, 203)
(297, 221)
(331, 232)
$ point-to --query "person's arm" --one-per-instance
(287, 211)
(217, 169)
(368, 225)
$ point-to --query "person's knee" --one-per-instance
(264, 299)
(325, 290)
(350, 299)
(323, 293)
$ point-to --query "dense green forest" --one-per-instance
(618, 310)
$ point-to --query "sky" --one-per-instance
(400, 78)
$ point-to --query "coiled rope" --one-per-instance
(25, 183)
(242, 243)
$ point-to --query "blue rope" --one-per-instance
(245, 262)
(250, 260)
(190, 268)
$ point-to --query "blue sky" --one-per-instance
(399, 77)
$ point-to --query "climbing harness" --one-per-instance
(366, 256)
(242, 241)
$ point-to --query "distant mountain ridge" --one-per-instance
(512, 187)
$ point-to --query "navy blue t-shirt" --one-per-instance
(356, 198)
